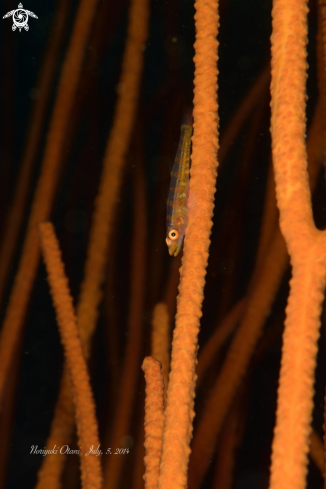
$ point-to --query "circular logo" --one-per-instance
(20, 18)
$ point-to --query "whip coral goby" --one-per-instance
(177, 212)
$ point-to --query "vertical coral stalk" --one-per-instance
(321, 63)
(306, 246)
(83, 399)
(154, 420)
(179, 411)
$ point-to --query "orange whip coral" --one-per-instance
(154, 420)
(83, 398)
(306, 245)
(179, 409)
(161, 339)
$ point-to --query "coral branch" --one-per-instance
(288, 121)
(154, 420)
(306, 246)
(83, 399)
(179, 410)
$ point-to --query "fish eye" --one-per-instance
(173, 234)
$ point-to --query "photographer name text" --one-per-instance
(66, 450)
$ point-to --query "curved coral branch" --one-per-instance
(306, 246)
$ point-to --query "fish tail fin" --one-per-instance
(187, 117)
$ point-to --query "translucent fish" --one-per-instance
(177, 211)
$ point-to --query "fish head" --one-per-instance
(174, 241)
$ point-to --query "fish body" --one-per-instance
(177, 211)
